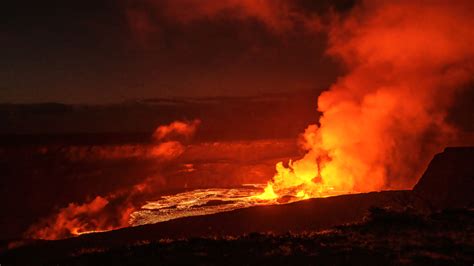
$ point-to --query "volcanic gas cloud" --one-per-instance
(385, 118)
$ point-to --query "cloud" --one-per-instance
(277, 15)
(147, 17)
(386, 117)
(177, 129)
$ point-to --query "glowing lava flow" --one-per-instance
(310, 177)
(199, 202)
(76, 232)
(210, 201)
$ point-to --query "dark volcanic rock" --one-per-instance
(449, 179)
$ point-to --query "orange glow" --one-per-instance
(177, 128)
(385, 118)
(268, 193)
(112, 211)
(72, 220)
(77, 232)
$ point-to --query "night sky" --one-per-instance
(106, 51)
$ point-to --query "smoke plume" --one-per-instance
(383, 120)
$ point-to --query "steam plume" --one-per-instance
(384, 119)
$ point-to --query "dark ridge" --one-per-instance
(449, 179)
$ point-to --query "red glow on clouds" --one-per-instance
(177, 128)
(278, 16)
(112, 211)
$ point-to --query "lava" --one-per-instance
(199, 202)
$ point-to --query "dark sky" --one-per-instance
(102, 51)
